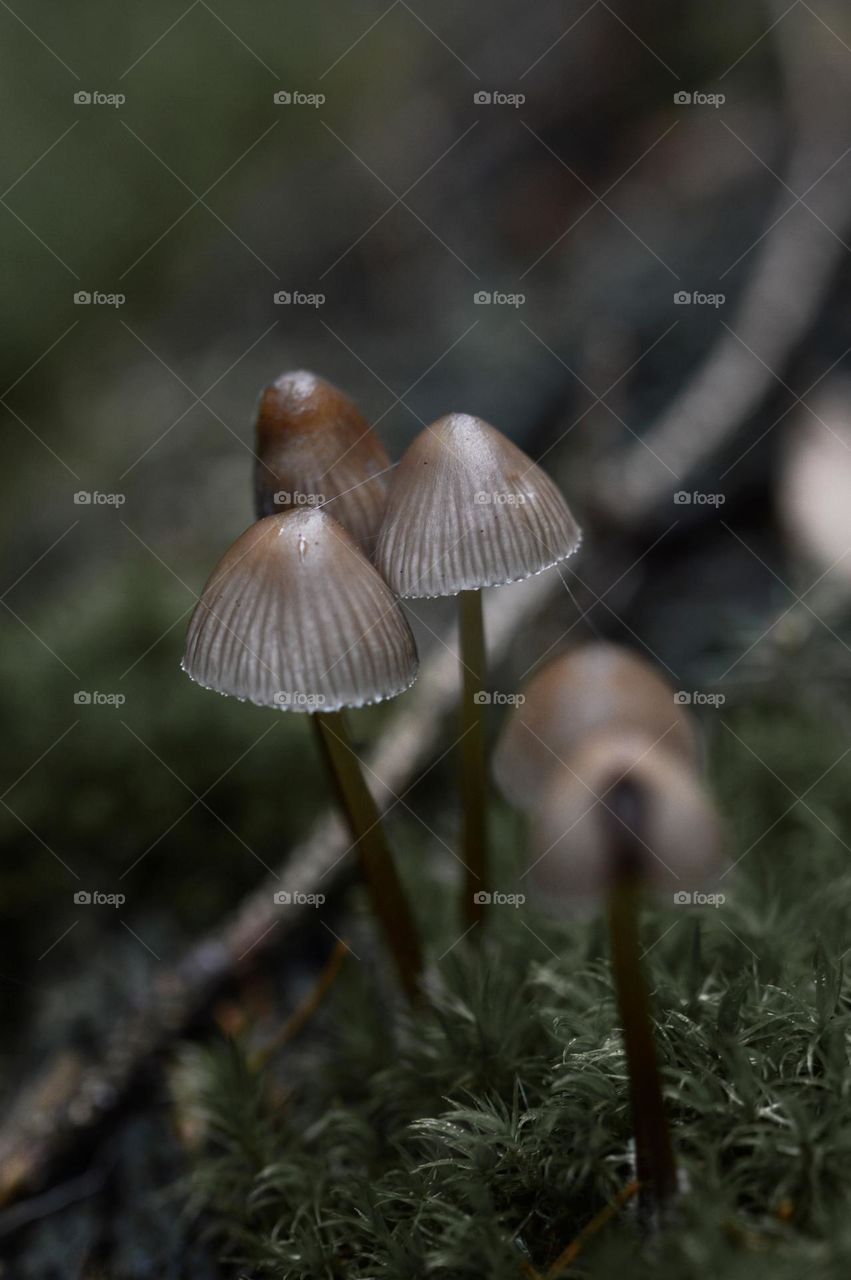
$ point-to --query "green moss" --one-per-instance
(490, 1130)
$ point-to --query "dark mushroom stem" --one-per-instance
(655, 1166)
(379, 871)
(473, 773)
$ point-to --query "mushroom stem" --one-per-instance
(379, 871)
(654, 1157)
(473, 773)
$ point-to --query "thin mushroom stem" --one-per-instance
(473, 773)
(379, 871)
(655, 1165)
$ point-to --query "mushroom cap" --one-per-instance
(814, 496)
(468, 509)
(294, 616)
(314, 447)
(679, 839)
(589, 688)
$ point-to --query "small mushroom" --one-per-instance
(295, 617)
(595, 685)
(315, 448)
(620, 814)
(677, 846)
(466, 510)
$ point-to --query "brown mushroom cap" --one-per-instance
(313, 447)
(468, 509)
(294, 616)
(571, 848)
(591, 687)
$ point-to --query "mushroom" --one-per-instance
(315, 448)
(295, 617)
(467, 509)
(678, 844)
(619, 814)
(595, 685)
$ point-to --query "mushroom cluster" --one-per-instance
(295, 616)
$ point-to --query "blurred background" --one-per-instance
(618, 232)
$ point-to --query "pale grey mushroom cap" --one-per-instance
(682, 849)
(294, 616)
(468, 509)
(594, 686)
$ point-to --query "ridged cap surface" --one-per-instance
(468, 509)
(294, 616)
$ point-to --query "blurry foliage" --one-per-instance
(493, 1127)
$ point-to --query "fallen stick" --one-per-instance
(795, 264)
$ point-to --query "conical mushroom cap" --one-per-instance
(294, 616)
(468, 509)
(572, 835)
(314, 447)
(594, 686)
